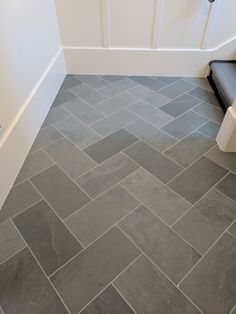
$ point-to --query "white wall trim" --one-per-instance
(106, 22)
(18, 138)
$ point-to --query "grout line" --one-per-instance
(232, 310)
(45, 146)
(231, 233)
(222, 192)
(118, 291)
(198, 85)
(15, 253)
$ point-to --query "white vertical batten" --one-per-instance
(159, 7)
(210, 24)
(106, 22)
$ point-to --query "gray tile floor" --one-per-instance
(124, 204)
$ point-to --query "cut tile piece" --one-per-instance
(110, 145)
(63, 97)
(151, 135)
(207, 220)
(106, 175)
(204, 95)
(227, 160)
(190, 148)
(94, 219)
(94, 81)
(55, 114)
(60, 191)
(160, 243)
(184, 124)
(117, 87)
(152, 98)
(149, 113)
(116, 103)
(25, 289)
(210, 111)
(110, 302)
(88, 94)
(45, 137)
(149, 291)
(211, 129)
(168, 79)
(19, 198)
(195, 181)
(48, 238)
(180, 105)
(159, 198)
(79, 281)
(227, 186)
(77, 132)
(148, 82)
(83, 111)
(10, 240)
(70, 158)
(211, 284)
(113, 78)
(153, 161)
(113, 122)
(69, 82)
(34, 163)
(199, 81)
(176, 89)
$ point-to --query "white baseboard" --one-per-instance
(18, 138)
(164, 62)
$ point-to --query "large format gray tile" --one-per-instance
(110, 145)
(207, 220)
(94, 81)
(109, 302)
(69, 82)
(10, 240)
(184, 124)
(211, 285)
(113, 122)
(77, 132)
(117, 87)
(19, 198)
(55, 114)
(204, 95)
(63, 97)
(176, 89)
(152, 98)
(149, 292)
(98, 216)
(88, 94)
(60, 191)
(83, 111)
(153, 161)
(149, 82)
(70, 158)
(190, 148)
(199, 81)
(25, 289)
(48, 238)
(195, 181)
(227, 186)
(210, 111)
(45, 137)
(79, 281)
(104, 176)
(153, 194)
(150, 114)
(113, 78)
(210, 129)
(160, 243)
(180, 105)
(151, 135)
(34, 163)
(168, 79)
(227, 160)
(116, 103)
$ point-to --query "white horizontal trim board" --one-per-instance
(19, 137)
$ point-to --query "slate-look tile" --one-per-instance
(60, 191)
(98, 216)
(159, 198)
(211, 284)
(110, 302)
(204, 95)
(19, 198)
(160, 243)
(199, 81)
(176, 89)
(168, 79)
(25, 289)
(45, 137)
(227, 160)
(149, 82)
(10, 240)
(149, 292)
(94, 81)
(88, 94)
(210, 111)
(110, 145)
(104, 176)
(210, 129)
(79, 281)
(232, 229)
(69, 82)
(195, 181)
(73, 161)
(152, 98)
(55, 114)
(63, 97)
(113, 78)
(48, 238)
(185, 152)
(227, 186)
(33, 164)
(207, 220)
(153, 161)
(117, 87)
